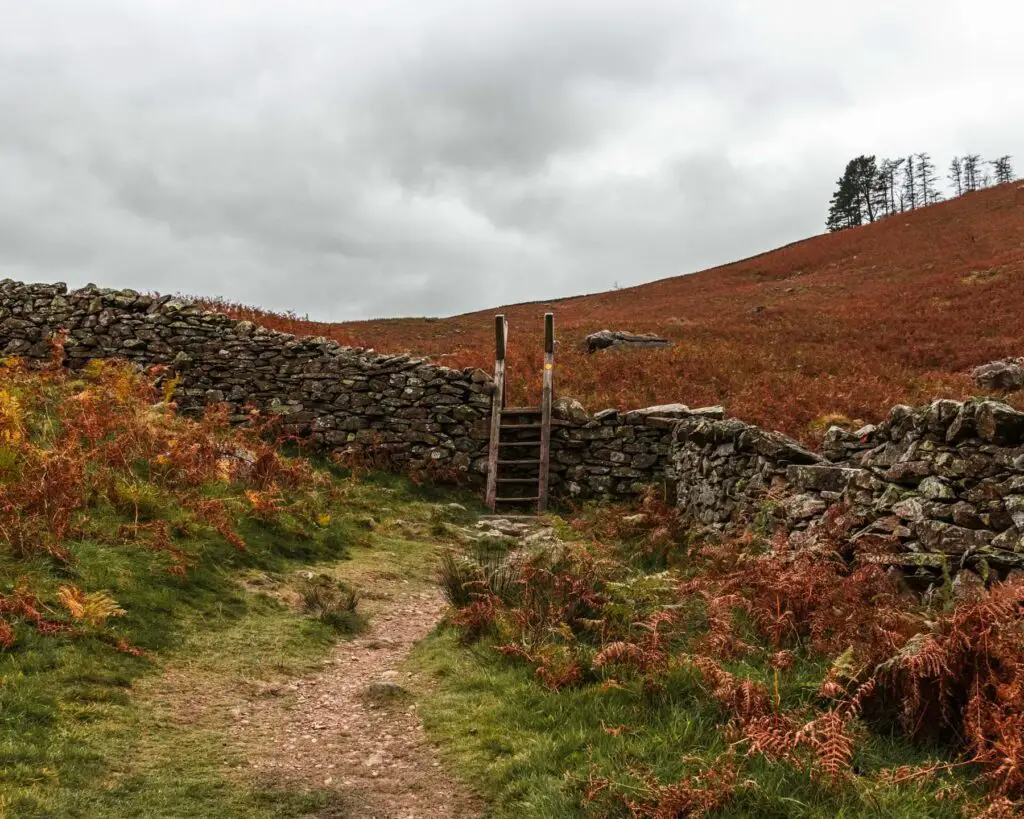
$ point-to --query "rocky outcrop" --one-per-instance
(605, 339)
(1000, 376)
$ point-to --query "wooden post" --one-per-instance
(545, 410)
(497, 404)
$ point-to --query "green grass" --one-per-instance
(88, 731)
(531, 752)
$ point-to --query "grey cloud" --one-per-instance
(354, 160)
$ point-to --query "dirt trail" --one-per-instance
(326, 731)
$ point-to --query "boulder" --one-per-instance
(569, 409)
(605, 339)
(1000, 376)
(999, 423)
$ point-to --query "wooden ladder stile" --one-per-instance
(519, 450)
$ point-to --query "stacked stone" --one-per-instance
(420, 415)
(945, 482)
(726, 471)
(613, 453)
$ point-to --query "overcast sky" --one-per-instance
(360, 158)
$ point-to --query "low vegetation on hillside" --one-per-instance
(844, 325)
(627, 670)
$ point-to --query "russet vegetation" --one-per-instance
(843, 325)
(739, 677)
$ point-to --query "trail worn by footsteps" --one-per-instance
(354, 728)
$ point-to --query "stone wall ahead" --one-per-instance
(946, 481)
(424, 416)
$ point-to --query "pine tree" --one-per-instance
(842, 211)
(887, 171)
(1003, 170)
(895, 192)
(856, 195)
(972, 173)
(956, 176)
(926, 180)
(908, 193)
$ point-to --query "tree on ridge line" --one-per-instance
(869, 190)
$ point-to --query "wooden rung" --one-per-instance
(521, 426)
(523, 462)
(516, 480)
(517, 500)
(521, 411)
(518, 443)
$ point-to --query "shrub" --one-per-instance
(331, 601)
(486, 569)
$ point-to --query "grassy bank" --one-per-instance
(155, 570)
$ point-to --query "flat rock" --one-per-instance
(661, 411)
(606, 339)
(937, 536)
(820, 477)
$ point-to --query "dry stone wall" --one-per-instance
(946, 481)
(613, 453)
(421, 416)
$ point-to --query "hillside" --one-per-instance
(847, 323)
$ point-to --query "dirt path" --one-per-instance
(328, 730)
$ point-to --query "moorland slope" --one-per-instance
(847, 323)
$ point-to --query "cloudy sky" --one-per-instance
(358, 158)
